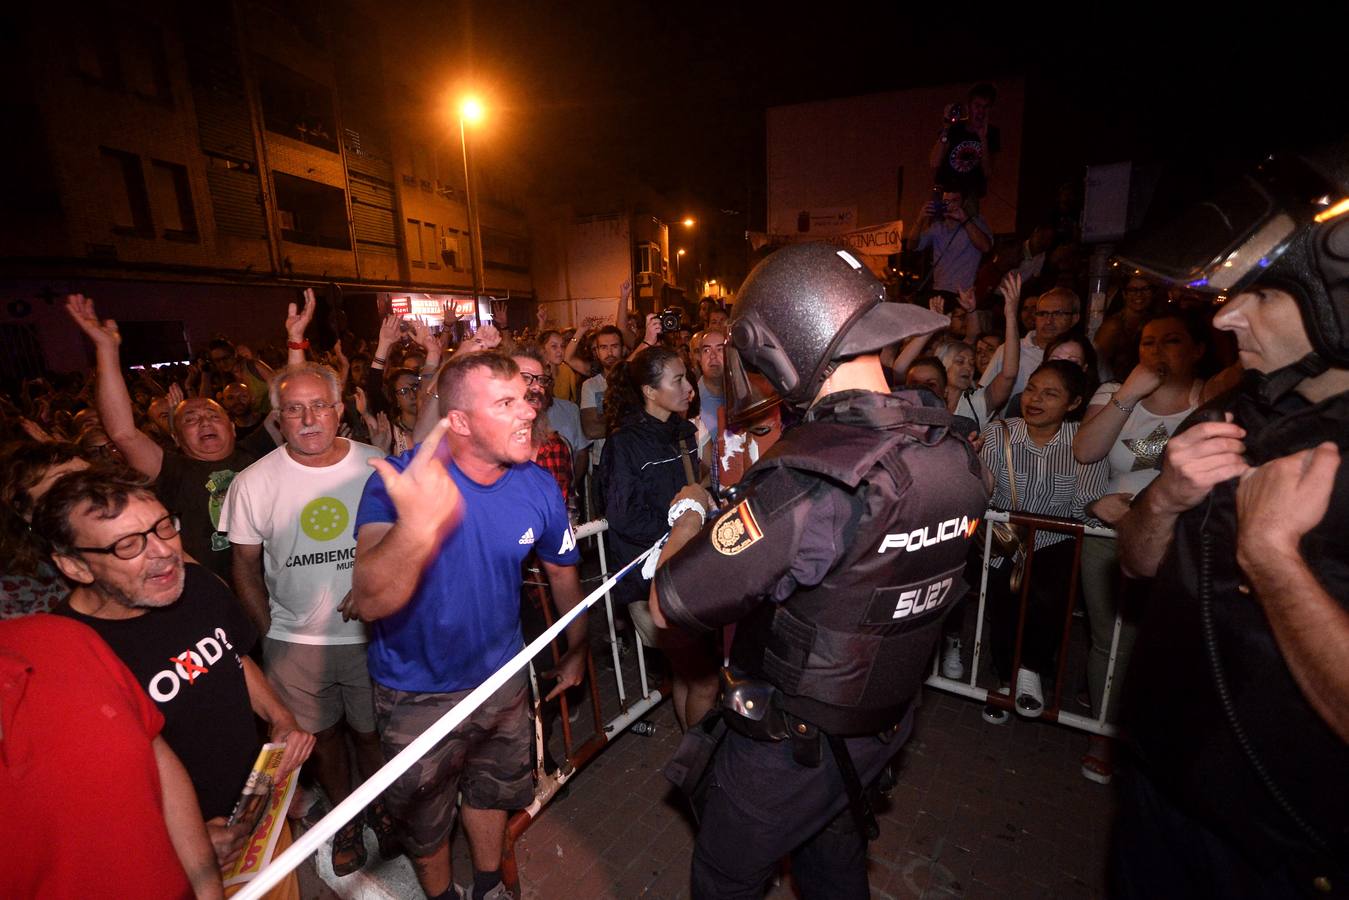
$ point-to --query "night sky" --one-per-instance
(675, 95)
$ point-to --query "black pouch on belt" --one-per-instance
(752, 708)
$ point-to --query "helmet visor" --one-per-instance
(749, 393)
(1227, 240)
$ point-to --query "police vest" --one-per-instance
(849, 654)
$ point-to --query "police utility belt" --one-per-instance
(754, 709)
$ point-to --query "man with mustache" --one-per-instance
(289, 518)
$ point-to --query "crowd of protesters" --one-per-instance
(226, 511)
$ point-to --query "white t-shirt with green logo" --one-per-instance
(303, 518)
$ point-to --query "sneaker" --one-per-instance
(996, 715)
(500, 892)
(1030, 698)
(951, 666)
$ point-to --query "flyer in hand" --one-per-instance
(262, 804)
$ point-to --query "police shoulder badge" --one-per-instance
(736, 531)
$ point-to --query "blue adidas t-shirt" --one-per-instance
(463, 621)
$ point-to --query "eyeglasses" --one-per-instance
(541, 380)
(404, 391)
(296, 410)
(133, 545)
(1054, 314)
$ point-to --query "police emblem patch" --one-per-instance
(736, 531)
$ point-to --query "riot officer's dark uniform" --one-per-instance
(1241, 787)
(838, 563)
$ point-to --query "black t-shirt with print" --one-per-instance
(188, 658)
(961, 166)
(195, 490)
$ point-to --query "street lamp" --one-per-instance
(688, 221)
(471, 111)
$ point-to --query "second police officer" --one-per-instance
(837, 563)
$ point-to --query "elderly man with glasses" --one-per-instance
(289, 517)
(176, 627)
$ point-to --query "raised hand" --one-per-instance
(490, 336)
(542, 315)
(381, 432)
(298, 322)
(652, 329)
(937, 303)
(389, 331)
(425, 496)
(1010, 288)
(175, 395)
(421, 333)
(361, 406)
(104, 334)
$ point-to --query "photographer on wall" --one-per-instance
(962, 156)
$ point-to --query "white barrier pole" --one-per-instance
(375, 785)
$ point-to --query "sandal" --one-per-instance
(381, 823)
(1096, 769)
(348, 849)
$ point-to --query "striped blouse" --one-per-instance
(1048, 480)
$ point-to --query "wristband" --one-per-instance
(1114, 400)
(682, 506)
(298, 345)
(380, 360)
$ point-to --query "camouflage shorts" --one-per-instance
(487, 758)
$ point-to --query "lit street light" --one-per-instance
(471, 111)
(688, 221)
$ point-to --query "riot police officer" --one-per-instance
(837, 564)
(1238, 701)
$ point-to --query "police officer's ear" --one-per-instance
(74, 568)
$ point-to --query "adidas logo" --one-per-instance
(527, 537)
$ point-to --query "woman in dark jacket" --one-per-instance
(649, 456)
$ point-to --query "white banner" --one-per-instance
(874, 240)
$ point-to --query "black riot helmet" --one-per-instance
(1284, 225)
(801, 312)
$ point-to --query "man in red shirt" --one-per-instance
(91, 797)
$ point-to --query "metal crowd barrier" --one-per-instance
(548, 784)
(1053, 710)
(313, 839)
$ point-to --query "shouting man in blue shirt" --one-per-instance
(441, 533)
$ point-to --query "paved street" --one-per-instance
(980, 811)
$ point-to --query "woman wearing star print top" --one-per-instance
(1128, 425)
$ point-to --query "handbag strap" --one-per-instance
(1007, 455)
(688, 463)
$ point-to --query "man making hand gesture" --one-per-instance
(441, 533)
